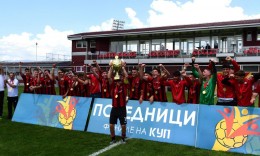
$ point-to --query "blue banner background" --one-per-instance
(149, 130)
(209, 117)
(41, 110)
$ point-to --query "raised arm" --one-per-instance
(195, 68)
(83, 81)
(97, 65)
(51, 75)
(20, 68)
(166, 72)
(109, 74)
(186, 78)
(124, 71)
(94, 71)
(234, 63)
(141, 71)
(84, 71)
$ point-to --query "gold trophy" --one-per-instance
(117, 65)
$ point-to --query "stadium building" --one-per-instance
(172, 45)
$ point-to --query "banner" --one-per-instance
(233, 129)
(52, 110)
(160, 121)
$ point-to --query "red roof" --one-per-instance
(176, 28)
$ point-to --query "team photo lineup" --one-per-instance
(231, 86)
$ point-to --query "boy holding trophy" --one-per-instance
(118, 94)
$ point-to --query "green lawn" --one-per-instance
(25, 139)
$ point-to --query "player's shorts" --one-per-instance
(118, 113)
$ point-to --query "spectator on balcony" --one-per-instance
(207, 46)
(215, 45)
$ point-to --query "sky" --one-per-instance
(23, 23)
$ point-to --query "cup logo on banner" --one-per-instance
(67, 111)
(233, 131)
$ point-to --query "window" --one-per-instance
(81, 44)
(214, 42)
(169, 44)
(158, 44)
(132, 45)
(250, 68)
(144, 47)
(258, 35)
(79, 69)
(249, 36)
(92, 44)
(201, 42)
(118, 46)
(176, 45)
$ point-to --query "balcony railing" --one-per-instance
(249, 51)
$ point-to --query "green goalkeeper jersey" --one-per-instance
(207, 88)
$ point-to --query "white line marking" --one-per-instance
(107, 148)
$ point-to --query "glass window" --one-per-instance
(190, 47)
(223, 45)
(197, 45)
(203, 41)
(258, 35)
(92, 44)
(78, 44)
(184, 44)
(250, 68)
(176, 44)
(214, 42)
(249, 36)
(169, 44)
(79, 69)
(158, 44)
(118, 46)
(81, 44)
(113, 46)
(144, 47)
(132, 45)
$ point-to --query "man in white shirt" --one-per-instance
(12, 93)
(2, 89)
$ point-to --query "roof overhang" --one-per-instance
(166, 29)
